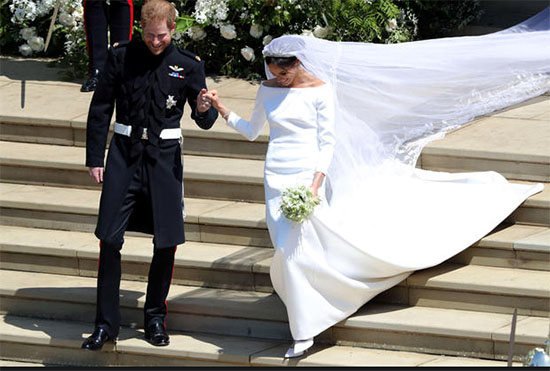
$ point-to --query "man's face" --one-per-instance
(157, 36)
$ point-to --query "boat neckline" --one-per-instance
(284, 87)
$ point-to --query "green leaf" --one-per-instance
(184, 23)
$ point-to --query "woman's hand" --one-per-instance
(317, 180)
(214, 99)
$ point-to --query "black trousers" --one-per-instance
(109, 270)
(98, 17)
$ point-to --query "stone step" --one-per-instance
(510, 246)
(251, 314)
(63, 166)
(65, 124)
(247, 268)
(52, 342)
(215, 221)
(76, 253)
(514, 142)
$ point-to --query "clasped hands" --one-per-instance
(206, 99)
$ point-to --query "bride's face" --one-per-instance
(285, 75)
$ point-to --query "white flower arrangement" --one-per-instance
(228, 31)
(320, 32)
(25, 50)
(196, 33)
(211, 11)
(66, 19)
(297, 203)
(25, 12)
(391, 25)
(267, 39)
(256, 31)
(27, 32)
(248, 53)
(36, 43)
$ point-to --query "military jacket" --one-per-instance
(144, 91)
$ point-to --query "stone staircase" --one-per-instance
(222, 309)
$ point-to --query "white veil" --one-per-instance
(392, 99)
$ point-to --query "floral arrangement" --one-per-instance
(25, 24)
(229, 35)
(297, 203)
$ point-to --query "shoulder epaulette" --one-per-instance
(189, 54)
(118, 44)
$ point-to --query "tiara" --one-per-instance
(267, 53)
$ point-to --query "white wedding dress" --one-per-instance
(356, 245)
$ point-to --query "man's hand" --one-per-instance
(96, 173)
(203, 101)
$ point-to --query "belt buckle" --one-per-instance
(144, 135)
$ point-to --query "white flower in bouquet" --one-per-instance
(66, 19)
(391, 25)
(196, 33)
(267, 39)
(36, 43)
(27, 32)
(177, 35)
(228, 31)
(307, 33)
(320, 32)
(297, 203)
(25, 50)
(248, 53)
(256, 31)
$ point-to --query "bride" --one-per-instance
(349, 120)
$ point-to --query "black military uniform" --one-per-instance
(142, 188)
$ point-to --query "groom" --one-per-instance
(148, 82)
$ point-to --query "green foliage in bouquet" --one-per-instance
(297, 203)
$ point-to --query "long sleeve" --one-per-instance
(325, 131)
(197, 82)
(100, 113)
(250, 129)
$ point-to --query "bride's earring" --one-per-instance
(299, 348)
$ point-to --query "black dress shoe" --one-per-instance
(156, 334)
(91, 83)
(96, 340)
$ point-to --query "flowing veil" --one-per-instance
(384, 218)
(392, 99)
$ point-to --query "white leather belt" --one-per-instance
(126, 130)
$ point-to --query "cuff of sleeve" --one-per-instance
(94, 162)
(232, 119)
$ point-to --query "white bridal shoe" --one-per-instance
(298, 348)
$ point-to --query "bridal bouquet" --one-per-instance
(297, 203)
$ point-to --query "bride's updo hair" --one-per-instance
(281, 61)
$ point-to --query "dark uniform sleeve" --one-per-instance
(196, 82)
(100, 113)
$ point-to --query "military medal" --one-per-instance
(176, 72)
(170, 102)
